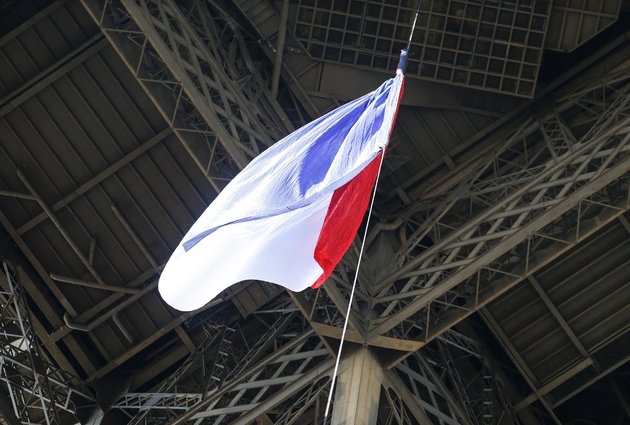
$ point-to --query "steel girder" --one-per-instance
(156, 401)
(441, 385)
(514, 207)
(37, 391)
(287, 365)
(216, 335)
(285, 377)
(183, 55)
(543, 184)
(554, 182)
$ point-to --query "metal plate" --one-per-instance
(574, 22)
(492, 45)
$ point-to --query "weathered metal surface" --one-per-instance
(38, 391)
(573, 23)
(90, 131)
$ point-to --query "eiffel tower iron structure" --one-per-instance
(521, 226)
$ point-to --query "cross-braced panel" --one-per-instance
(38, 391)
(180, 54)
(554, 180)
(288, 365)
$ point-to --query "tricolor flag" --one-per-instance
(290, 215)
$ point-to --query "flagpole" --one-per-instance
(400, 70)
(354, 284)
(413, 26)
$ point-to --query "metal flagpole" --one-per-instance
(354, 284)
(356, 275)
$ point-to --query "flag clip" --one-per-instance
(402, 61)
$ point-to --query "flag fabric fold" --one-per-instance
(290, 215)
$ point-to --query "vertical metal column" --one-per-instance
(31, 389)
(358, 387)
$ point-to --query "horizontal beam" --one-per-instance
(20, 195)
(97, 179)
(52, 73)
(378, 341)
(318, 372)
(95, 285)
(553, 384)
(32, 21)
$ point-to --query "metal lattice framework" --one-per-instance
(288, 366)
(543, 184)
(214, 371)
(513, 207)
(553, 182)
(286, 376)
(495, 47)
(430, 387)
(38, 391)
(491, 405)
(184, 59)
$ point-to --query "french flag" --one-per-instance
(292, 213)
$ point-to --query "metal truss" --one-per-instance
(513, 207)
(558, 178)
(184, 56)
(287, 366)
(433, 387)
(33, 391)
(413, 394)
(545, 184)
(214, 371)
(286, 376)
(156, 401)
(489, 406)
